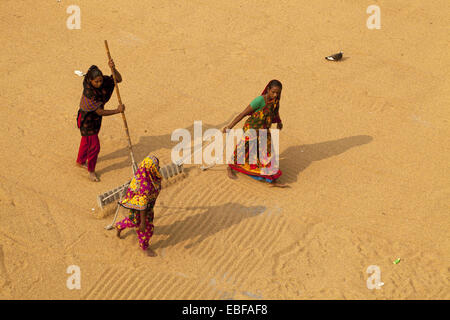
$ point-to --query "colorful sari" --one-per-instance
(259, 158)
(141, 196)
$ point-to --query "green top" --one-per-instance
(258, 103)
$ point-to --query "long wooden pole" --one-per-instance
(134, 166)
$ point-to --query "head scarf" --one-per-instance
(267, 89)
(145, 186)
(93, 98)
(276, 118)
(89, 91)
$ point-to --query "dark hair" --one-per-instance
(93, 73)
(275, 83)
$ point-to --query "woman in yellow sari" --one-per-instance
(140, 199)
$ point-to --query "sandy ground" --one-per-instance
(364, 150)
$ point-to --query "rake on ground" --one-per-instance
(118, 193)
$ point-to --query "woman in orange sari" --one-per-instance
(255, 147)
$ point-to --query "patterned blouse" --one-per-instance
(88, 121)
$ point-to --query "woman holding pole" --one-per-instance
(97, 90)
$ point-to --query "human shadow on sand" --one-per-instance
(295, 159)
(146, 145)
(204, 224)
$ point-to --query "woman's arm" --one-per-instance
(247, 111)
(101, 112)
(113, 68)
(118, 76)
(279, 125)
(278, 121)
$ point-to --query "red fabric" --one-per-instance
(241, 170)
(265, 90)
(89, 150)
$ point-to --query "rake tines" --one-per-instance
(171, 170)
(112, 195)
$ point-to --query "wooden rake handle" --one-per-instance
(134, 166)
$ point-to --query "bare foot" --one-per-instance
(231, 173)
(118, 232)
(81, 165)
(93, 177)
(150, 253)
(278, 185)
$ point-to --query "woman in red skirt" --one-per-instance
(97, 90)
